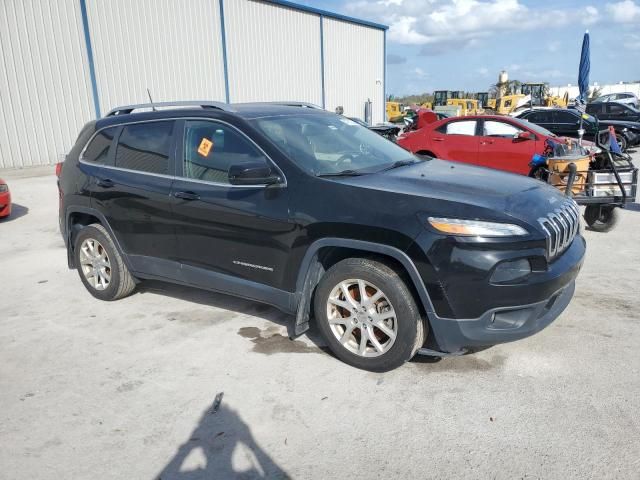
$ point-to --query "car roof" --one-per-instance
(478, 117)
(246, 111)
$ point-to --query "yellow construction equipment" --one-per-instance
(508, 103)
(395, 111)
(440, 97)
(467, 106)
(540, 96)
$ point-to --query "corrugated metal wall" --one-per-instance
(172, 47)
(45, 90)
(273, 53)
(176, 49)
(353, 68)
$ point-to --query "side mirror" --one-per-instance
(523, 136)
(253, 173)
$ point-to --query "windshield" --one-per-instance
(330, 144)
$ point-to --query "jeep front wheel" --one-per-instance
(367, 315)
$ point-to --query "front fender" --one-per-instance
(311, 271)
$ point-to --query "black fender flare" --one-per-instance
(103, 221)
(311, 271)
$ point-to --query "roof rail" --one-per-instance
(188, 103)
(285, 104)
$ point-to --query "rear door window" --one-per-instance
(539, 117)
(210, 148)
(616, 109)
(464, 127)
(98, 149)
(564, 117)
(145, 147)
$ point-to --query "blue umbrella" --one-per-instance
(583, 72)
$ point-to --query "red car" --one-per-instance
(5, 199)
(493, 141)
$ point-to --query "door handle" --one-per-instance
(186, 195)
(438, 139)
(489, 142)
(105, 183)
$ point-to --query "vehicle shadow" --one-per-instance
(231, 303)
(218, 434)
(17, 211)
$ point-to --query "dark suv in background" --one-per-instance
(566, 122)
(314, 214)
(614, 111)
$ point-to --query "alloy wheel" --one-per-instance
(95, 264)
(362, 318)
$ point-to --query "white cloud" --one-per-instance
(459, 23)
(626, 11)
(446, 25)
(590, 15)
(483, 71)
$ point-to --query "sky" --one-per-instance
(464, 44)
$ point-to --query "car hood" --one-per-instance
(452, 188)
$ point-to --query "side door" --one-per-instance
(543, 118)
(457, 140)
(566, 123)
(502, 149)
(615, 111)
(240, 231)
(132, 190)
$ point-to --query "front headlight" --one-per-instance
(457, 226)
(3, 188)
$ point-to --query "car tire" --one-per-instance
(387, 322)
(601, 219)
(100, 265)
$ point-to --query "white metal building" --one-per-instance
(605, 89)
(64, 62)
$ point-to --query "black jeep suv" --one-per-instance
(314, 214)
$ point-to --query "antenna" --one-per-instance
(151, 100)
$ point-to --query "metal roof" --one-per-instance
(326, 13)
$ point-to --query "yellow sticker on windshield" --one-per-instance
(585, 116)
(205, 147)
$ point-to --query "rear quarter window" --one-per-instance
(97, 150)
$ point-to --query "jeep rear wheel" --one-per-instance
(100, 266)
(367, 315)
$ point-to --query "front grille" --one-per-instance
(560, 227)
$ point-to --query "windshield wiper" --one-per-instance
(399, 163)
(343, 173)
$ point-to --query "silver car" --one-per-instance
(624, 97)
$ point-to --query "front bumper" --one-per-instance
(5, 204)
(500, 325)
(470, 311)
